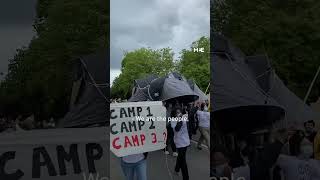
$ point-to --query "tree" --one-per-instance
(196, 65)
(220, 13)
(139, 63)
(40, 78)
(145, 61)
(286, 31)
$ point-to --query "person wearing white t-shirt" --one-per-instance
(204, 126)
(182, 141)
(299, 165)
(134, 166)
(295, 168)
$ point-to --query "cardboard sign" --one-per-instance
(137, 127)
(55, 154)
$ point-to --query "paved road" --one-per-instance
(198, 165)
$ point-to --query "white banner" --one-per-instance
(55, 154)
(137, 127)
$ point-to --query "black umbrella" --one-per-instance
(91, 89)
(173, 87)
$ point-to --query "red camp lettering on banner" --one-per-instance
(126, 142)
(143, 138)
(135, 140)
(114, 143)
(131, 141)
(154, 138)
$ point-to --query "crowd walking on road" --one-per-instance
(292, 154)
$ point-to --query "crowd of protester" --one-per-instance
(194, 118)
(8, 125)
(292, 154)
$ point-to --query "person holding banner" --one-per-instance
(182, 141)
(170, 141)
(193, 120)
(135, 166)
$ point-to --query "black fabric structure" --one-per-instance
(171, 87)
(247, 94)
(91, 106)
(197, 90)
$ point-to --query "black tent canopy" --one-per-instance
(89, 101)
(297, 112)
(247, 94)
(170, 87)
(237, 101)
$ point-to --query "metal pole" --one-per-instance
(207, 89)
(311, 85)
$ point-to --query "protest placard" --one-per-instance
(137, 127)
(55, 154)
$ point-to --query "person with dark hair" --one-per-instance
(204, 126)
(242, 154)
(299, 164)
(294, 143)
(170, 133)
(220, 163)
(184, 110)
(193, 121)
(182, 141)
(310, 132)
(257, 169)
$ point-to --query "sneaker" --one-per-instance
(174, 154)
(166, 153)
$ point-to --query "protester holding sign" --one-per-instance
(192, 120)
(136, 129)
(182, 141)
(134, 165)
(220, 161)
(170, 141)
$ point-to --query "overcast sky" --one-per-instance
(16, 19)
(155, 24)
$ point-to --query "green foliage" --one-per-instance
(287, 31)
(142, 62)
(220, 12)
(39, 78)
(139, 63)
(196, 65)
